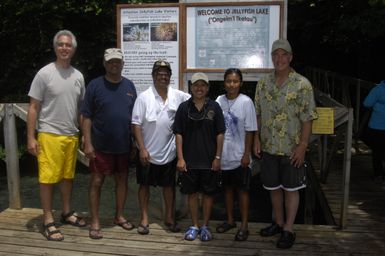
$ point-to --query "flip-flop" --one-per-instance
(95, 233)
(225, 226)
(172, 227)
(143, 230)
(125, 225)
(241, 235)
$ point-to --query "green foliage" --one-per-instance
(2, 153)
(27, 29)
(20, 153)
(376, 2)
(340, 35)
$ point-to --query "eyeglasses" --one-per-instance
(199, 116)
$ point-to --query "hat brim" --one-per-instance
(113, 56)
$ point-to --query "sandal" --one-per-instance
(125, 225)
(172, 227)
(143, 230)
(95, 233)
(77, 223)
(191, 234)
(241, 235)
(225, 226)
(205, 234)
(48, 233)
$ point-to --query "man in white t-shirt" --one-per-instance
(152, 119)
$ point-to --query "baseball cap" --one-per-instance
(199, 76)
(113, 53)
(161, 64)
(281, 44)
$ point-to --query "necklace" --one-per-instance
(200, 114)
(230, 103)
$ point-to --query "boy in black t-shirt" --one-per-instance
(199, 128)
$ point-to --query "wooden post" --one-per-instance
(346, 170)
(12, 159)
(324, 164)
(357, 107)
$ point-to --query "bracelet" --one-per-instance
(218, 157)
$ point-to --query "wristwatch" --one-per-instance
(218, 157)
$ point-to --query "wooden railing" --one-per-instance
(8, 112)
(340, 92)
(346, 90)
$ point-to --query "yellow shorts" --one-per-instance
(57, 157)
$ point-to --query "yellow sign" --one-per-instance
(325, 122)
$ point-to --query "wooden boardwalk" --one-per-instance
(367, 199)
(364, 235)
(20, 235)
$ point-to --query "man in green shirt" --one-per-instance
(285, 108)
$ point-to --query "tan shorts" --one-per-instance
(57, 157)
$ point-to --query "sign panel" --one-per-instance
(324, 124)
(147, 35)
(219, 37)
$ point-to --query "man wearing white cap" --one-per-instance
(152, 120)
(107, 111)
(199, 127)
(285, 108)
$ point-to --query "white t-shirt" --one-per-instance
(156, 119)
(239, 115)
(60, 92)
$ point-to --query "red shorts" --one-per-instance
(108, 164)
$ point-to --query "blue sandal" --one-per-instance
(191, 234)
(205, 234)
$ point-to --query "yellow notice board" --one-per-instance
(325, 122)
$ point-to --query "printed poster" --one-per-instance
(231, 36)
(147, 35)
(324, 124)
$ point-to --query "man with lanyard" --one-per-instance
(199, 128)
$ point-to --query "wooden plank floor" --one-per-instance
(367, 199)
(20, 235)
(20, 230)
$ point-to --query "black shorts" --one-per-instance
(156, 175)
(278, 172)
(238, 178)
(205, 181)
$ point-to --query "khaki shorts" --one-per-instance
(57, 157)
